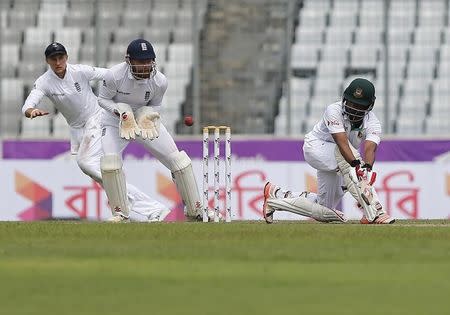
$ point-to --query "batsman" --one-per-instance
(332, 149)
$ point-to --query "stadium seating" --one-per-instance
(333, 41)
(30, 25)
(36, 128)
(10, 105)
(419, 59)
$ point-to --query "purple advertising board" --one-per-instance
(268, 149)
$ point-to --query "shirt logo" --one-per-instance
(77, 86)
(124, 93)
(147, 96)
(143, 46)
(333, 123)
(104, 83)
(58, 94)
(358, 93)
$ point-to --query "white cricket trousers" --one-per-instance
(86, 143)
(160, 147)
(320, 155)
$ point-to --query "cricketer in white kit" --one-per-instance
(67, 86)
(132, 94)
(331, 148)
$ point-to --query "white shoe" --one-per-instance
(383, 218)
(161, 216)
(270, 192)
(118, 219)
(211, 215)
(196, 215)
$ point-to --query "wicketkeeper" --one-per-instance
(331, 148)
(132, 93)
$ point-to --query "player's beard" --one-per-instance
(355, 119)
(142, 72)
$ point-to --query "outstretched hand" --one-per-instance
(37, 112)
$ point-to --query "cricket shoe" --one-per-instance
(383, 218)
(270, 192)
(211, 213)
(199, 216)
(119, 218)
(210, 216)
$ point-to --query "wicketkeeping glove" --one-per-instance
(128, 128)
(148, 121)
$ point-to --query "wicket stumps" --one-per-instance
(217, 130)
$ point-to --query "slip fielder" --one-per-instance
(67, 86)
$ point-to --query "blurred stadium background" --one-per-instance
(268, 68)
(264, 67)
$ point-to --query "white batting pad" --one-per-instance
(307, 208)
(114, 184)
(354, 186)
(180, 165)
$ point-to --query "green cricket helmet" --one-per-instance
(358, 99)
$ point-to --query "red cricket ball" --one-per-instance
(188, 121)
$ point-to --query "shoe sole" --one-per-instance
(365, 221)
(266, 195)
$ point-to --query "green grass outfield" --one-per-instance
(238, 268)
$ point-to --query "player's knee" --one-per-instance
(110, 162)
(177, 161)
(89, 168)
(83, 163)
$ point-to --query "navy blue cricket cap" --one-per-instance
(140, 49)
(55, 49)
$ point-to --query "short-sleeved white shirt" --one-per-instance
(120, 86)
(334, 121)
(71, 95)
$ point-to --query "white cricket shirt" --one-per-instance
(334, 121)
(72, 95)
(119, 86)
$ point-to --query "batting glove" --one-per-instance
(362, 172)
